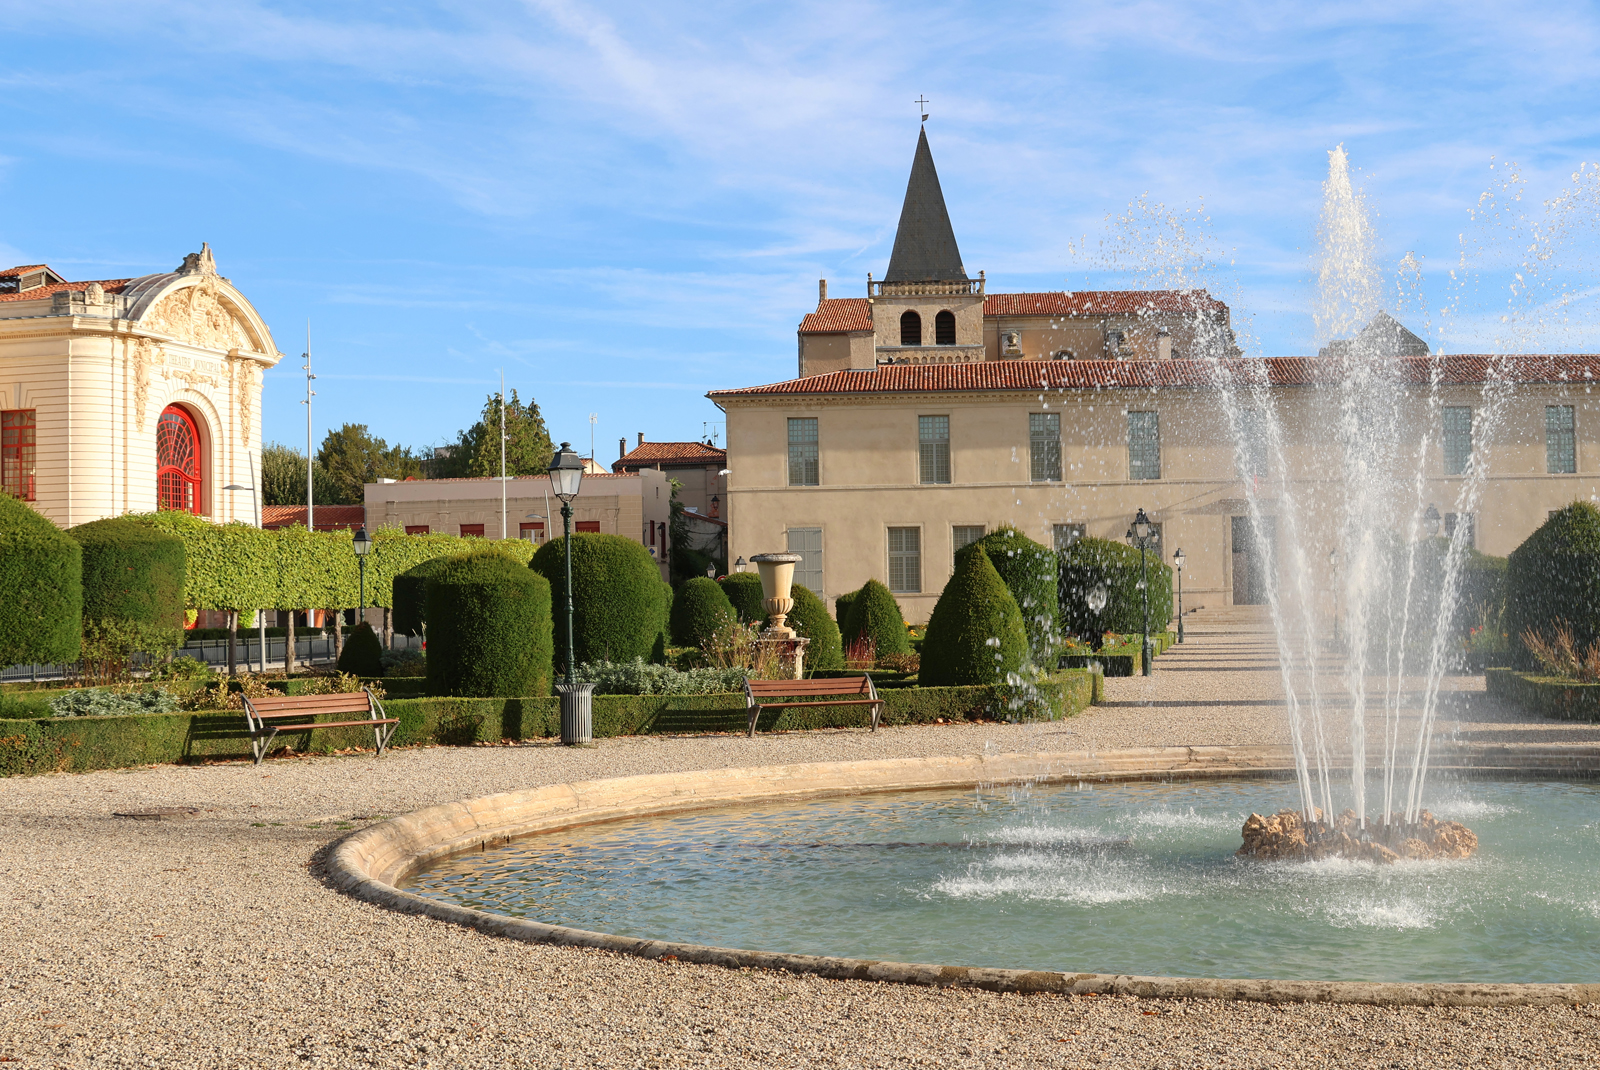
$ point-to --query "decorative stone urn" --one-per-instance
(777, 582)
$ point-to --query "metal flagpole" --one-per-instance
(311, 523)
(502, 454)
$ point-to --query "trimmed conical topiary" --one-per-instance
(489, 628)
(41, 588)
(362, 654)
(699, 610)
(744, 591)
(1554, 578)
(874, 613)
(619, 612)
(810, 618)
(1029, 571)
(975, 635)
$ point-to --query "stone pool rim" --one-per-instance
(370, 863)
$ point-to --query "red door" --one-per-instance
(177, 461)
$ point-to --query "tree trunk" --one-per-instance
(388, 630)
(233, 642)
(288, 646)
(338, 633)
(261, 636)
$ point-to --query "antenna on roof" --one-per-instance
(922, 102)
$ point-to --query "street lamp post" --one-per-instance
(577, 721)
(362, 544)
(1139, 535)
(1177, 560)
(1333, 584)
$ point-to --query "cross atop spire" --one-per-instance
(925, 245)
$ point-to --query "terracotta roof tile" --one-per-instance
(110, 286)
(650, 453)
(838, 314)
(26, 269)
(328, 517)
(1130, 374)
(1100, 303)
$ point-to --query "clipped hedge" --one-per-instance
(976, 634)
(490, 631)
(363, 653)
(41, 588)
(1089, 563)
(619, 607)
(133, 579)
(1554, 576)
(810, 618)
(1546, 696)
(1029, 571)
(875, 613)
(411, 596)
(841, 609)
(744, 591)
(699, 610)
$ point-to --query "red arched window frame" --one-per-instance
(178, 461)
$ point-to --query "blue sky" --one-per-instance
(626, 205)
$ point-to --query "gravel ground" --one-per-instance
(212, 942)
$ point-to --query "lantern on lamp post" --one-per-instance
(577, 721)
(1177, 561)
(1140, 535)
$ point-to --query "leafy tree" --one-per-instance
(353, 457)
(477, 449)
(283, 478)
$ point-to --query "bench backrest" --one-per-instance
(357, 702)
(838, 685)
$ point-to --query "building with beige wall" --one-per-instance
(128, 395)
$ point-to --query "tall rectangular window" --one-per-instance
(18, 430)
(807, 542)
(803, 468)
(1066, 534)
(532, 531)
(933, 449)
(905, 560)
(1044, 446)
(964, 535)
(1144, 446)
(1560, 444)
(1457, 439)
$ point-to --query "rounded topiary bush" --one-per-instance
(699, 609)
(1554, 578)
(1091, 563)
(411, 596)
(41, 588)
(976, 634)
(619, 611)
(133, 577)
(489, 628)
(363, 653)
(875, 614)
(1029, 571)
(841, 609)
(810, 618)
(744, 591)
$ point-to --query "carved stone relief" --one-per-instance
(196, 315)
(144, 353)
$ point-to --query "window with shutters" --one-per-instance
(1144, 446)
(475, 530)
(18, 457)
(416, 529)
(807, 542)
(587, 527)
(910, 329)
(1457, 440)
(803, 467)
(933, 449)
(1560, 442)
(905, 560)
(944, 328)
(1044, 446)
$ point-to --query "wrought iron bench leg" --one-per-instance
(261, 742)
(755, 712)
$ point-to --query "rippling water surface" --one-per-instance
(1135, 878)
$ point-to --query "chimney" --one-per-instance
(641, 438)
(622, 447)
(822, 291)
(1163, 346)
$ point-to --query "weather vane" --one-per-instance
(922, 102)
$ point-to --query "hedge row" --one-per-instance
(1554, 578)
(1547, 696)
(80, 744)
(41, 588)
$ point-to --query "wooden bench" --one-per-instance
(263, 717)
(838, 691)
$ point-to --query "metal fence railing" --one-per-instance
(311, 649)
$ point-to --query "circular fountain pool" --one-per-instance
(1122, 878)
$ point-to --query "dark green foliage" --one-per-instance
(283, 478)
(133, 583)
(411, 596)
(810, 618)
(841, 608)
(1089, 563)
(41, 588)
(1480, 590)
(1029, 571)
(874, 613)
(1544, 696)
(489, 628)
(1555, 576)
(477, 449)
(352, 457)
(699, 609)
(619, 608)
(744, 591)
(975, 611)
(363, 653)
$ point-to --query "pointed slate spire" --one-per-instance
(925, 245)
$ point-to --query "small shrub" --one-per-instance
(104, 702)
(638, 677)
(41, 588)
(744, 591)
(698, 610)
(1559, 655)
(489, 628)
(862, 653)
(182, 669)
(363, 652)
(619, 611)
(875, 614)
(975, 635)
(906, 663)
(404, 663)
(739, 646)
(811, 620)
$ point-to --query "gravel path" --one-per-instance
(211, 942)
